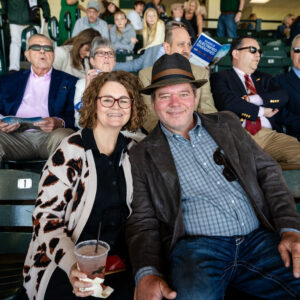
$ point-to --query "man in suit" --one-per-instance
(256, 99)
(290, 115)
(177, 40)
(210, 208)
(39, 92)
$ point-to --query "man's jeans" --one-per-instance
(203, 267)
(226, 24)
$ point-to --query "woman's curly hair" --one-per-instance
(88, 113)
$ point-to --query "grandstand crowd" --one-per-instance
(182, 175)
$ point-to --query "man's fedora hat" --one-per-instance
(169, 70)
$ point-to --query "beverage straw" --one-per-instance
(98, 236)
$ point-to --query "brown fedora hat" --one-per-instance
(169, 70)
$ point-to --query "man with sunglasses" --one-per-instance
(208, 204)
(39, 92)
(255, 98)
(290, 115)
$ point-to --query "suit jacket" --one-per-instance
(60, 95)
(206, 102)
(144, 61)
(290, 115)
(156, 223)
(227, 90)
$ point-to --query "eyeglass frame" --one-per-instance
(106, 53)
(296, 49)
(251, 47)
(228, 172)
(116, 100)
(41, 47)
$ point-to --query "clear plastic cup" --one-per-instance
(89, 262)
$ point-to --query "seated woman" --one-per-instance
(122, 34)
(85, 182)
(72, 57)
(102, 59)
(192, 15)
(110, 9)
(283, 30)
(153, 29)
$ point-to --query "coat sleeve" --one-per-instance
(46, 9)
(228, 97)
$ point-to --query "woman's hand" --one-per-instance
(134, 40)
(91, 74)
(74, 276)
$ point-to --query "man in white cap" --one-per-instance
(91, 20)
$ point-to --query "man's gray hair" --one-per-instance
(99, 42)
(38, 35)
(297, 37)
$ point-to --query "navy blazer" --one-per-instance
(290, 115)
(227, 90)
(60, 97)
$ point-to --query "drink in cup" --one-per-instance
(90, 262)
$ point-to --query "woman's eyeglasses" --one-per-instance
(110, 54)
(228, 171)
(296, 49)
(252, 49)
(37, 47)
(109, 101)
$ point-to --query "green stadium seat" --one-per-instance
(224, 64)
(274, 66)
(274, 51)
(223, 40)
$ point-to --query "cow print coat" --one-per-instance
(67, 191)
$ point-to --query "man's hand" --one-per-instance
(237, 17)
(290, 245)
(49, 124)
(4, 127)
(270, 112)
(74, 276)
(153, 287)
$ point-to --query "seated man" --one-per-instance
(255, 98)
(210, 208)
(39, 92)
(290, 114)
(135, 15)
(91, 20)
(177, 40)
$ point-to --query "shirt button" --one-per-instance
(193, 145)
(204, 164)
(232, 201)
(242, 224)
(114, 182)
(218, 182)
(110, 163)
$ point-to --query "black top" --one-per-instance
(110, 202)
(192, 27)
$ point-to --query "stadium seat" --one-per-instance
(274, 66)
(18, 191)
(274, 51)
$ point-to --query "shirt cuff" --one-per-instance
(145, 271)
(256, 99)
(261, 112)
(282, 230)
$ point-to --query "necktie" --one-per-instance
(252, 126)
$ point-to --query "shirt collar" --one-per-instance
(297, 72)
(240, 72)
(46, 76)
(195, 130)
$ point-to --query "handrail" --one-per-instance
(29, 29)
(53, 30)
(4, 65)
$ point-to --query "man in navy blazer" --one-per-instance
(290, 115)
(256, 104)
(38, 92)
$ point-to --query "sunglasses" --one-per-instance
(252, 49)
(37, 47)
(228, 171)
(296, 49)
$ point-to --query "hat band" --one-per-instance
(169, 73)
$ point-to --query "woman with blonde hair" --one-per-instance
(153, 29)
(192, 15)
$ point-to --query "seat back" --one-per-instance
(18, 191)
